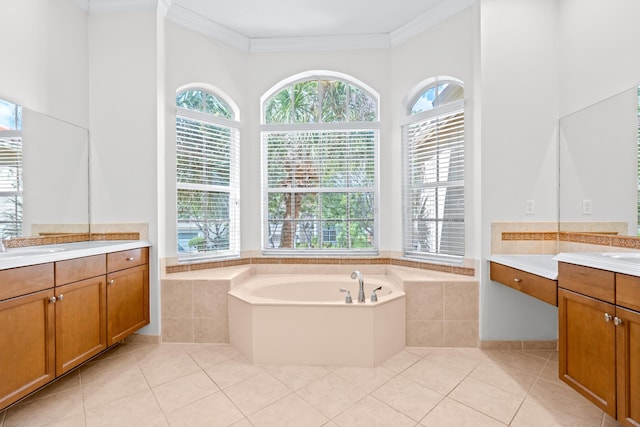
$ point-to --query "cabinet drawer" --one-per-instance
(73, 270)
(628, 291)
(25, 280)
(599, 284)
(125, 259)
(531, 284)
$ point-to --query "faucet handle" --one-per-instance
(374, 297)
(347, 299)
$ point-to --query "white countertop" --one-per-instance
(20, 257)
(540, 265)
(619, 262)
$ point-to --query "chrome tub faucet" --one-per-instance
(358, 275)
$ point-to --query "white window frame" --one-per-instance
(409, 119)
(265, 129)
(234, 176)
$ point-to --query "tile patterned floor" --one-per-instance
(212, 385)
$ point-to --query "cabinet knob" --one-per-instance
(517, 280)
(617, 321)
(111, 282)
(608, 317)
(60, 297)
(52, 300)
(130, 258)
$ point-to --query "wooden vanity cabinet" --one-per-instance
(80, 310)
(587, 348)
(628, 360)
(127, 293)
(599, 338)
(27, 331)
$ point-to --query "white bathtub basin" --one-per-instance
(304, 320)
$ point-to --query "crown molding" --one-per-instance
(427, 20)
(193, 21)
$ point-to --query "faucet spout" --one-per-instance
(358, 275)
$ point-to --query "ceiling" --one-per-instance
(264, 25)
(308, 18)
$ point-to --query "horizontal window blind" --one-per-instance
(207, 188)
(320, 189)
(10, 183)
(434, 185)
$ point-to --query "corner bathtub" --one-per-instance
(298, 319)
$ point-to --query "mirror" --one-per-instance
(599, 167)
(44, 174)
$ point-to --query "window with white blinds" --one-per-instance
(207, 176)
(320, 165)
(10, 169)
(433, 174)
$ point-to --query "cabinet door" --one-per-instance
(80, 322)
(587, 348)
(628, 353)
(127, 302)
(27, 344)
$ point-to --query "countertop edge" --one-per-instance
(93, 248)
(599, 261)
(529, 264)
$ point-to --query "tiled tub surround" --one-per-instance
(303, 319)
(441, 308)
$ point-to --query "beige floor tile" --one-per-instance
(368, 379)
(550, 372)
(214, 410)
(66, 383)
(73, 421)
(408, 397)
(459, 359)
(435, 377)
(296, 377)
(232, 372)
(331, 394)
(557, 404)
(290, 411)
(113, 385)
(450, 413)
(207, 355)
(257, 392)
(492, 401)
(419, 351)
(165, 364)
(243, 423)
(178, 393)
(132, 410)
(370, 412)
(401, 361)
(511, 380)
(45, 411)
(103, 369)
(158, 421)
(522, 361)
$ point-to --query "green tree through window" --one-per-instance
(320, 142)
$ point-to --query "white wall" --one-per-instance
(44, 55)
(600, 41)
(124, 143)
(519, 102)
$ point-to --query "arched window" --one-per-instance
(320, 139)
(207, 175)
(433, 169)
